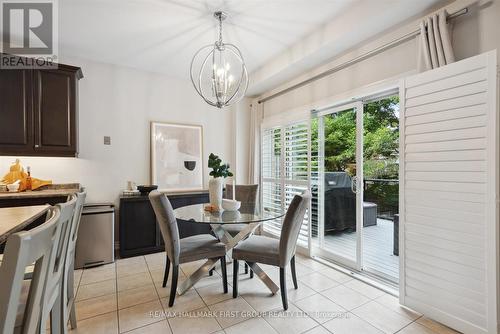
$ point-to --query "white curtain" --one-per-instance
(257, 111)
(435, 42)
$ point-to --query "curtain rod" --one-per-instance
(360, 58)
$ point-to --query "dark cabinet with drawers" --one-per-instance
(139, 232)
(39, 111)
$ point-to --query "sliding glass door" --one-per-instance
(337, 167)
(355, 165)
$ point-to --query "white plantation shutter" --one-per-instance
(285, 163)
(449, 194)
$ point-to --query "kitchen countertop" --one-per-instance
(15, 219)
(47, 191)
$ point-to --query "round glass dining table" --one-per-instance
(248, 219)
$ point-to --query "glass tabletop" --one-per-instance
(245, 215)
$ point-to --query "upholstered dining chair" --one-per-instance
(21, 301)
(275, 252)
(178, 251)
(247, 195)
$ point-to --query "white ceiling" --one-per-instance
(162, 35)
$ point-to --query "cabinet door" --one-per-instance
(137, 228)
(55, 113)
(16, 121)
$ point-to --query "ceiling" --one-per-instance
(162, 35)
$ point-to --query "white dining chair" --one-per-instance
(21, 300)
(52, 301)
(68, 292)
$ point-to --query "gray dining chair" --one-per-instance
(68, 291)
(21, 301)
(178, 251)
(247, 195)
(275, 252)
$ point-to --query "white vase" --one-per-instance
(215, 187)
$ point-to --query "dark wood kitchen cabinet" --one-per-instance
(39, 111)
(138, 230)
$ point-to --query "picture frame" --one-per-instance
(177, 156)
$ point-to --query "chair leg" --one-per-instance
(167, 269)
(224, 273)
(250, 268)
(294, 273)
(69, 304)
(173, 288)
(246, 268)
(283, 288)
(55, 316)
(235, 278)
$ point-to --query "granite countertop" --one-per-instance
(52, 190)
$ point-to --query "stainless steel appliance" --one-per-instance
(95, 243)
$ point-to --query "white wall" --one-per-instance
(120, 102)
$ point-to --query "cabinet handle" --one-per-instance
(36, 145)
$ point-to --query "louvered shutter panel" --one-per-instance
(271, 176)
(449, 194)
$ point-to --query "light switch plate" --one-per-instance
(107, 140)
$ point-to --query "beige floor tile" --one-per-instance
(136, 296)
(392, 303)
(345, 297)
(310, 263)
(232, 311)
(435, 326)
(319, 308)
(336, 275)
(292, 321)
(251, 326)
(134, 281)
(156, 259)
(98, 274)
(199, 322)
(130, 261)
(302, 292)
(416, 328)
(187, 302)
(140, 315)
(130, 269)
(161, 327)
(381, 317)
(214, 293)
(365, 289)
(95, 306)
(96, 289)
(350, 324)
(209, 280)
(191, 267)
(101, 324)
(318, 330)
(77, 276)
(262, 301)
(318, 282)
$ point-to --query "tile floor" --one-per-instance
(127, 297)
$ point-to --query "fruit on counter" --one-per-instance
(17, 173)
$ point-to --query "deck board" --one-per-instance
(378, 246)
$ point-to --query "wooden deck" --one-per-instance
(378, 243)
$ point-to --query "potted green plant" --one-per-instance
(215, 185)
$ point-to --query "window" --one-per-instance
(285, 171)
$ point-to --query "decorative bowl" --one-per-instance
(146, 189)
(230, 205)
(14, 187)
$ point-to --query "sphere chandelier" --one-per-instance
(218, 72)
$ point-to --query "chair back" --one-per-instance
(246, 194)
(68, 278)
(168, 224)
(38, 245)
(291, 226)
(53, 286)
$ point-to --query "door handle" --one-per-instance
(354, 184)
